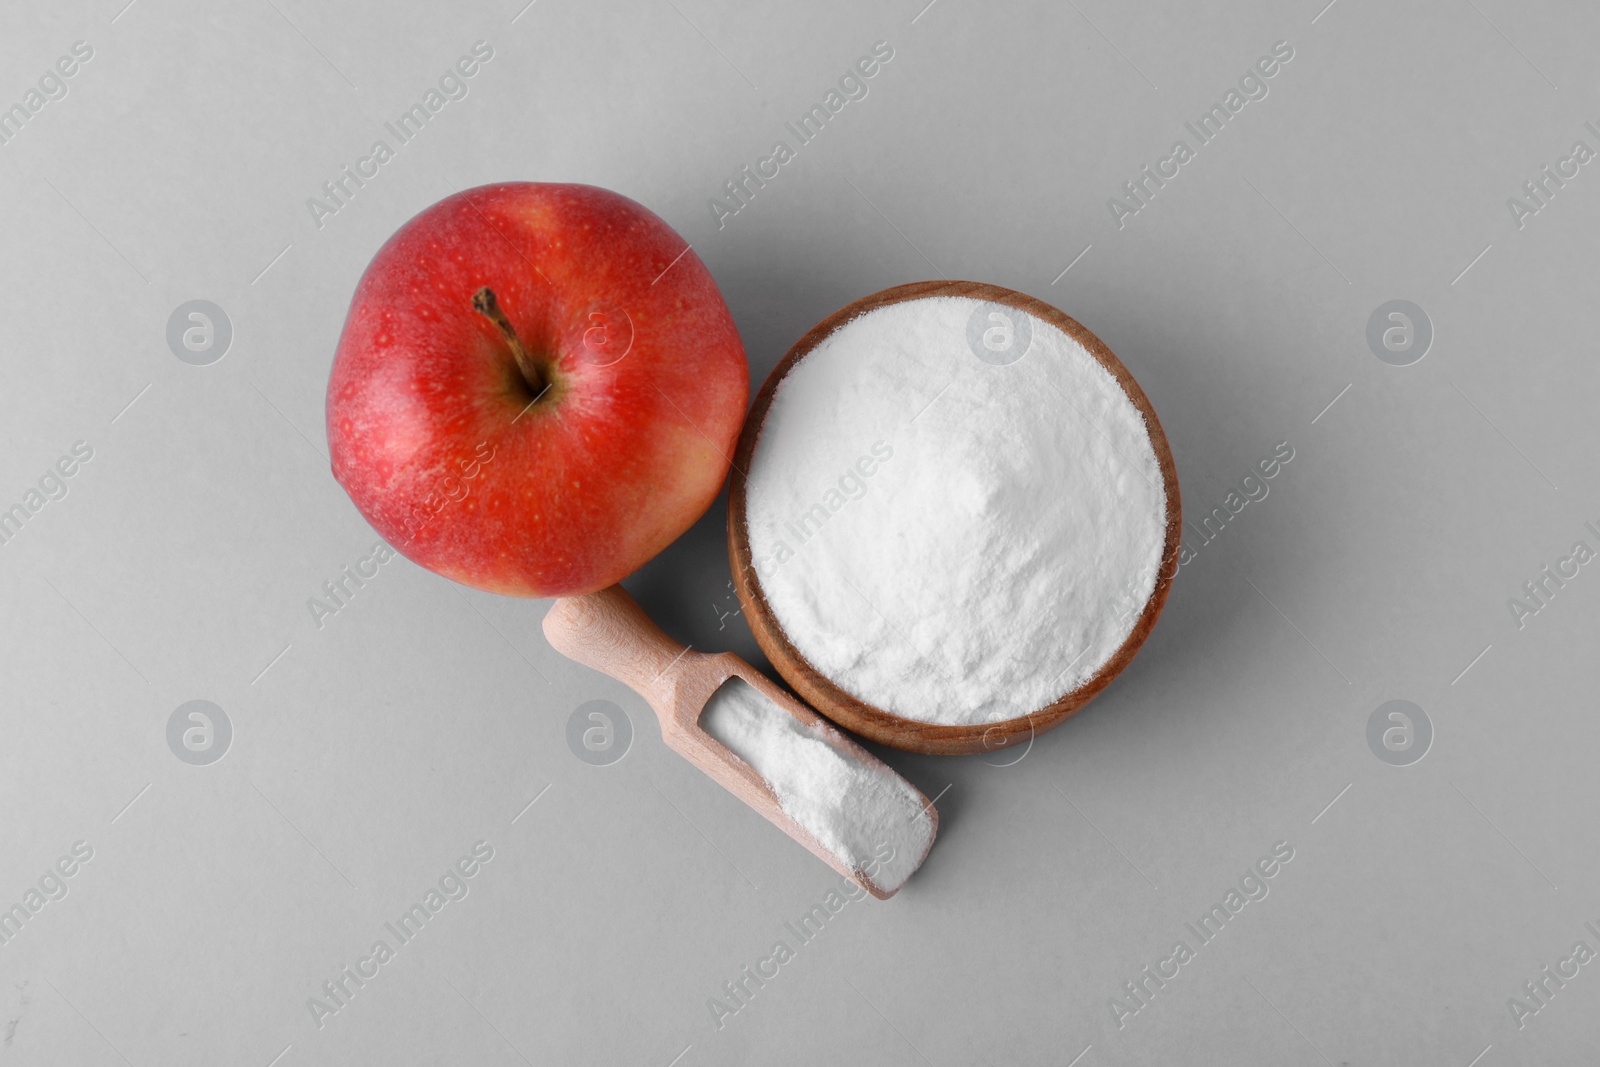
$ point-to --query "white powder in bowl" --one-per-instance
(950, 538)
(867, 816)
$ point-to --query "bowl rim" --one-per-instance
(816, 687)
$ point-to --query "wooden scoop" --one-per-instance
(610, 633)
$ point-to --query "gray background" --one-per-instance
(368, 755)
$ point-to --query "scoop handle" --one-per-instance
(609, 632)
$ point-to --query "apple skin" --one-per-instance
(434, 432)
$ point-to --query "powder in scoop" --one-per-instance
(858, 812)
(953, 537)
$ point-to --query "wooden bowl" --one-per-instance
(820, 691)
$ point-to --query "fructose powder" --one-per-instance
(954, 511)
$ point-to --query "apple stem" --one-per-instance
(485, 304)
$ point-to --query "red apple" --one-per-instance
(537, 389)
